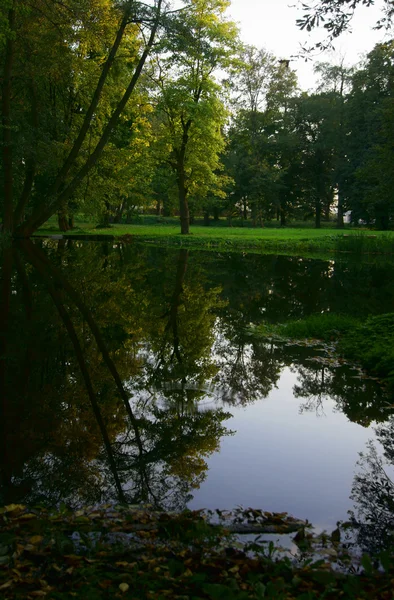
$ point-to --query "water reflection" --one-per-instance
(121, 364)
(373, 492)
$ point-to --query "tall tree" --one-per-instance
(336, 81)
(191, 113)
(370, 138)
(257, 158)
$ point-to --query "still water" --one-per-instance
(130, 373)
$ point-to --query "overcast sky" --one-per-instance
(270, 24)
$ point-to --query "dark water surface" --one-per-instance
(128, 373)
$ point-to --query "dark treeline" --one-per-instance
(141, 107)
(303, 155)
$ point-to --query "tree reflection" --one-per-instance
(373, 493)
(248, 370)
(180, 344)
(319, 379)
(71, 377)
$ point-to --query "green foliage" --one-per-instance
(325, 326)
(372, 344)
(190, 112)
(369, 124)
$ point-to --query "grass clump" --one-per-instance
(371, 242)
(372, 345)
(325, 326)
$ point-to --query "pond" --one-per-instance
(131, 373)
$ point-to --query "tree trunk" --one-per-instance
(382, 217)
(282, 217)
(318, 215)
(254, 215)
(327, 207)
(119, 213)
(245, 209)
(340, 223)
(183, 205)
(104, 219)
(6, 124)
(62, 221)
(158, 207)
(206, 218)
(216, 214)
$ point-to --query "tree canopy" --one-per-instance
(156, 108)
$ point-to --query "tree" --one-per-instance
(336, 81)
(370, 138)
(315, 122)
(336, 17)
(257, 157)
(190, 112)
(61, 100)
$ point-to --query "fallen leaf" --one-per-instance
(187, 573)
(36, 539)
(124, 587)
(6, 585)
(13, 507)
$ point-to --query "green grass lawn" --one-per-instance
(288, 240)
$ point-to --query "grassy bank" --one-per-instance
(371, 343)
(291, 240)
(126, 552)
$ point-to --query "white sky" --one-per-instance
(270, 24)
